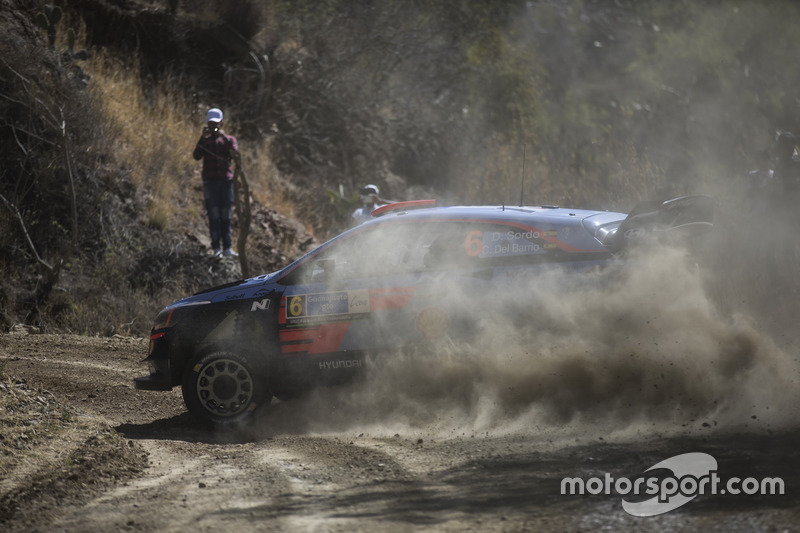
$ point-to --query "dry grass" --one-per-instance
(154, 135)
(631, 178)
(267, 185)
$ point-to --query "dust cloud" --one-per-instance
(658, 345)
(636, 349)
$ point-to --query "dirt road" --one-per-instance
(84, 451)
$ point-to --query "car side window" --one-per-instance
(410, 247)
(376, 251)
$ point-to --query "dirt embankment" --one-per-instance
(81, 450)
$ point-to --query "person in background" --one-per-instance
(216, 149)
(370, 201)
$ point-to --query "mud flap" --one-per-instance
(683, 218)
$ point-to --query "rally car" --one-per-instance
(394, 281)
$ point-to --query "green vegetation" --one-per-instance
(611, 102)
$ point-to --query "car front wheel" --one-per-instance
(222, 389)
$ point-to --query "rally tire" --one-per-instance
(222, 389)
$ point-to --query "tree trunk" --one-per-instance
(243, 212)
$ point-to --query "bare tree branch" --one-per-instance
(13, 208)
(72, 198)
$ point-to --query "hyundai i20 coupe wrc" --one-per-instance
(414, 274)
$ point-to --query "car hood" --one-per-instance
(236, 290)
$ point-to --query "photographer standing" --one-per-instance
(370, 201)
(216, 149)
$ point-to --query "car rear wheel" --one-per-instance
(222, 389)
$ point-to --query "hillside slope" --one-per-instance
(104, 250)
(607, 102)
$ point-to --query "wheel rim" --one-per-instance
(225, 387)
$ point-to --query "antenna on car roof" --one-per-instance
(522, 184)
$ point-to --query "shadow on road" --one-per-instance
(180, 428)
(277, 419)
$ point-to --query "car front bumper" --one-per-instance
(160, 377)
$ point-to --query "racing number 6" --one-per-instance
(473, 244)
(296, 306)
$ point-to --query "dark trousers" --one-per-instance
(219, 199)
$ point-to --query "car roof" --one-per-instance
(503, 213)
(591, 220)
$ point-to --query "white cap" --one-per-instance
(214, 115)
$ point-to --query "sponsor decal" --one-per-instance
(347, 363)
(231, 297)
(635, 233)
(303, 309)
(503, 243)
(262, 292)
(261, 305)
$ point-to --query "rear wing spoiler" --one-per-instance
(403, 206)
(687, 216)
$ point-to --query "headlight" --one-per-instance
(169, 316)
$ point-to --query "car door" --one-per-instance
(344, 299)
